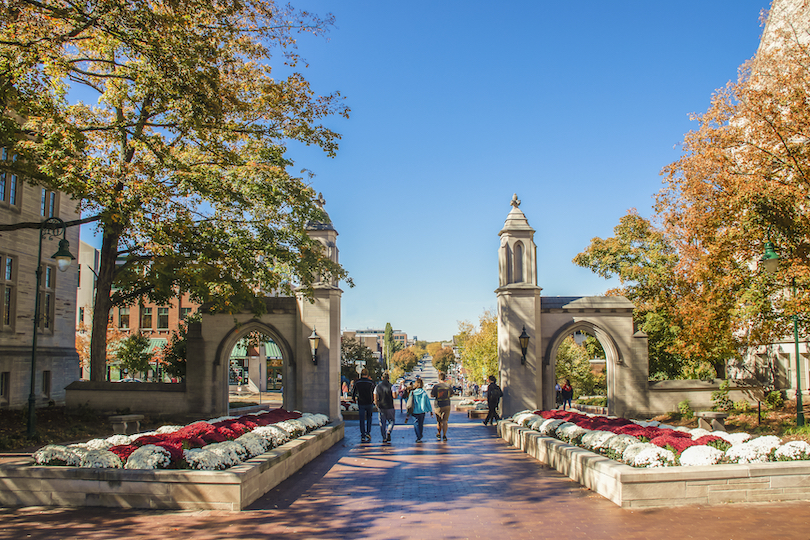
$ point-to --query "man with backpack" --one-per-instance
(494, 394)
(441, 393)
(384, 399)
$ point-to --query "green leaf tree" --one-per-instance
(573, 363)
(174, 353)
(178, 152)
(444, 359)
(352, 350)
(132, 354)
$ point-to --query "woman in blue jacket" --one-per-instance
(418, 405)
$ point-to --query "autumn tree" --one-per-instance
(743, 180)
(402, 362)
(178, 151)
(443, 359)
(479, 353)
(133, 354)
(433, 348)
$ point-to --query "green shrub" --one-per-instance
(742, 406)
(721, 445)
(774, 399)
(722, 402)
(685, 410)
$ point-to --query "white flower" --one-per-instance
(630, 453)
(793, 450)
(732, 438)
(698, 433)
(520, 417)
(570, 432)
(253, 444)
(647, 423)
(527, 419)
(754, 451)
(596, 439)
(148, 456)
(101, 459)
(536, 424)
(618, 444)
(202, 459)
(168, 429)
(698, 455)
(54, 454)
(293, 427)
(273, 434)
(654, 456)
(229, 452)
(548, 427)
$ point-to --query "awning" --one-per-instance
(156, 344)
(272, 350)
(239, 350)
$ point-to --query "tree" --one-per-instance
(644, 260)
(403, 362)
(443, 359)
(133, 353)
(352, 350)
(741, 181)
(181, 156)
(433, 348)
(174, 353)
(479, 353)
(388, 344)
(573, 363)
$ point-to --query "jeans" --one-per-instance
(492, 415)
(419, 426)
(365, 419)
(387, 417)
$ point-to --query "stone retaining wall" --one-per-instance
(631, 487)
(23, 484)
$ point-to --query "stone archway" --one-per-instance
(528, 381)
(613, 355)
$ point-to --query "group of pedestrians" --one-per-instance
(418, 404)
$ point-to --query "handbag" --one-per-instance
(409, 404)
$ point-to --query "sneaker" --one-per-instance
(444, 438)
(439, 436)
(418, 440)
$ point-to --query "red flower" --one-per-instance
(123, 451)
(679, 444)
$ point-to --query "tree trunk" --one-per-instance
(103, 303)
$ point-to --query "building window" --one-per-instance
(81, 315)
(9, 183)
(47, 288)
(46, 384)
(163, 318)
(123, 318)
(5, 386)
(8, 278)
(184, 313)
(48, 203)
(146, 318)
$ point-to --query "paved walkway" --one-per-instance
(472, 486)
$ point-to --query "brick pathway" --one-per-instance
(472, 486)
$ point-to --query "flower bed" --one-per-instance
(348, 406)
(652, 444)
(215, 444)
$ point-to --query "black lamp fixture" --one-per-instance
(50, 228)
(524, 344)
(314, 341)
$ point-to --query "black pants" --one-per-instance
(492, 415)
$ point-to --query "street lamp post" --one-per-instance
(314, 341)
(51, 227)
(524, 344)
(770, 260)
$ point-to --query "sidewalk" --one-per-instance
(472, 486)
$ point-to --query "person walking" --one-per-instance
(384, 400)
(363, 395)
(567, 394)
(418, 405)
(558, 394)
(441, 393)
(494, 394)
(404, 392)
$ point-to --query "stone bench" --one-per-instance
(122, 423)
(712, 420)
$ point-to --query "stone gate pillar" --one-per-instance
(518, 309)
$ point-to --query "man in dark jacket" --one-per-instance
(363, 394)
(494, 394)
(384, 399)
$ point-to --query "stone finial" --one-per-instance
(515, 201)
(320, 201)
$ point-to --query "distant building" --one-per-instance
(57, 363)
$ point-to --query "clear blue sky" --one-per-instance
(456, 105)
